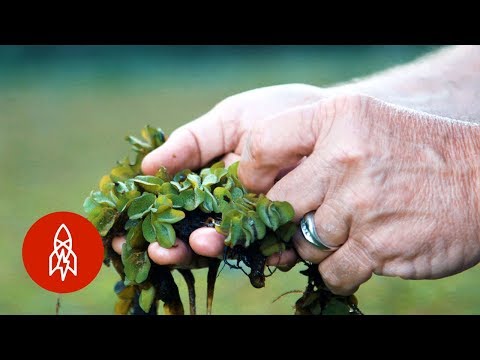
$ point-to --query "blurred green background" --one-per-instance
(64, 111)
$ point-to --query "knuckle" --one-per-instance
(363, 254)
(244, 174)
(350, 105)
(351, 156)
(256, 147)
(363, 200)
(331, 222)
(399, 268)
(331, 279)
(306, 251)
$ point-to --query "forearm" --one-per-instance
(445, 83)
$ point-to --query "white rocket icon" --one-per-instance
(62, 257)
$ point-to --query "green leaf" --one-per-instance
(103, 199)
(181, 186)
(125, 199)
(149, 183)
(284, 210)
(194, 179)
(136, 264)
(271, 245)
(165, 234)
(89, 204)
(154, 136)
(229, 184)
(123, 171)
(233, 169)
(148, 179)
(205, 172)
(135, 237)
(233, 172)
(141, 205)
(132, 223)
(262, 210)
(161, 204)
(199, 196)
(236, 234)
(103, 219)
(210, 179)
(220, 173)
(286, 231)
(121, 187)
(258, 224)
(181, 176)
(156, 230)
(336, 307)
(163, 174)
(223, 197)
(106, 184)
(254, 228)
(237, 193)
(177, 201)
(146, 298)
(218, 165)
(251, 199)
(128, 282)
(209, 203)
(137, 165)
(148, 230)
(231, 226)
(167, 189)
(187, 197)
(273, 216)
(125, 186)
(169, 216)
(227, 217)
(248, 231)
(139, 145)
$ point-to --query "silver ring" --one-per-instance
(309, 232)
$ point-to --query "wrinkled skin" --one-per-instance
(394, 187)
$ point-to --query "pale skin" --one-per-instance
(390, 164)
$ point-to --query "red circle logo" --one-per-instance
(62, 252)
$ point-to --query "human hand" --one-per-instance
(395, 189)
(221, 132)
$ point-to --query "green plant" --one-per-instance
(162, 207)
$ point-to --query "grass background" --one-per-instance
(64, 111)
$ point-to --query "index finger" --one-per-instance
(192, 145)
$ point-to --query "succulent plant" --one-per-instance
(161, 208)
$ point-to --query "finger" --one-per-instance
(230, 158)
(304, 187)
(277, 144)
(307, 251)
(117, 243)
(286, 170)
(347, 268)
(194, 144)
(207, 242)
(179, 254)
(332, 223)
(284, 260)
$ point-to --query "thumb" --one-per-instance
(195, 144)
